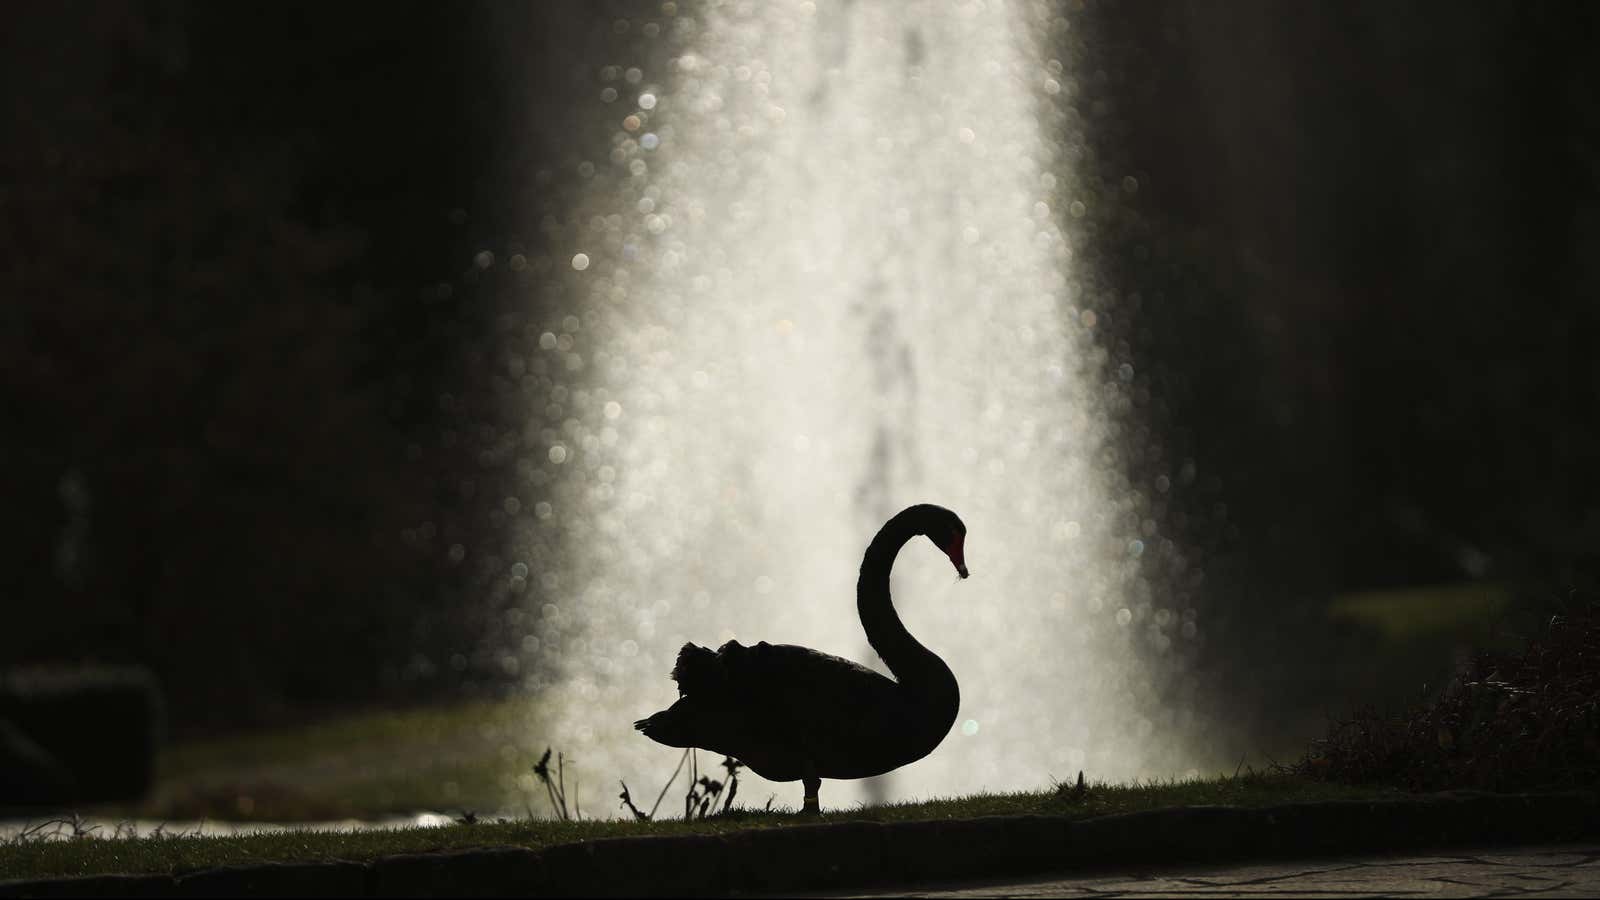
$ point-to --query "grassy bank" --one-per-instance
(1514, 719)
(364, 765)
(373, 764)
(94, 855)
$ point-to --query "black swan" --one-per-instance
(792, 713)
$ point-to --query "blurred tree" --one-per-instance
(213, 359)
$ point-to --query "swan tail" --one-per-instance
(668, 727)
(698, 671)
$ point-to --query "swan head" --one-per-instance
(948, 533)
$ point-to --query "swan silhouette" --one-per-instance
(792, 713)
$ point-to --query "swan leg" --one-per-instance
(812, 784)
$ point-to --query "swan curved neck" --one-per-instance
(914, 665)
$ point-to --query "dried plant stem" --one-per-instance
(561, 781)
(627, 800)
(664, 787)
(554, 807)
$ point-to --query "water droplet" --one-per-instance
(613, 409)
(649, 141)
(580, 261)
(457, 553)
(647, 101)
(1124, 616)
(558, 454)
(608, 94)
(969, 727)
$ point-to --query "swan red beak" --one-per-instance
(955, 549)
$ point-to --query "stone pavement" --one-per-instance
(1568, 870)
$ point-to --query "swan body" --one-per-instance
(792, 713)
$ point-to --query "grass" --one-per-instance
(366, 765)
(1516, 718)
(171, 854)
(1408, 613)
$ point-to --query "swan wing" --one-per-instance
(810, 693)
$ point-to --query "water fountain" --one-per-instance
(826, 268)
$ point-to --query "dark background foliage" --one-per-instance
(245, 353)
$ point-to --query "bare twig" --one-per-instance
(683, 759)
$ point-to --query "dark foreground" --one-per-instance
(1570, 870)
(895, 855)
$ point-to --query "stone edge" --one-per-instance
(850, 854)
